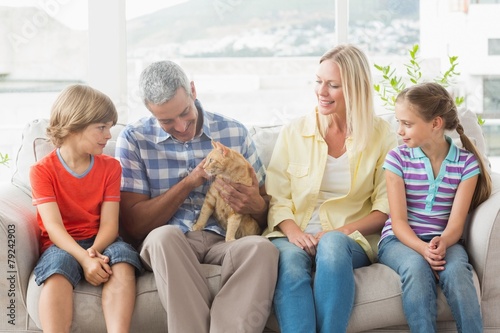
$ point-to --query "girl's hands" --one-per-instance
(435, 254)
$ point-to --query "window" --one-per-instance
(253, 61)
(494, 46)
(384, 28)
(485, 2)
(491, 132)
(43, 48)
(491, 89)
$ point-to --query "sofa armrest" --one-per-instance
(483, 246)
(19, 239)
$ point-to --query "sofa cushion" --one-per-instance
(148, 315)
(378, 300)
(25, 155)
(42, 147)
(264, 139)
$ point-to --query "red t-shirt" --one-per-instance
(79, 197)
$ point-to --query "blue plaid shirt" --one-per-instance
(153, 161)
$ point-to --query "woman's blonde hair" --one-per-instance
(430, 100)
(76, 107)
(358, 93)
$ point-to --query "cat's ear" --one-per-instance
(219, 146)
(224, 149)
(216, 145)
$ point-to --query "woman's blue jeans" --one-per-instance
(326, 307)
(420, 286)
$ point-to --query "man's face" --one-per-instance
(178, 116)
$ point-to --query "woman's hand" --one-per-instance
(305, 241)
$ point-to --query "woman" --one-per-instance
(329, 200)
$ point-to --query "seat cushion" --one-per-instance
(148, 315)
(378, 300)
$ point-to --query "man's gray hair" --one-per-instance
(160, 81)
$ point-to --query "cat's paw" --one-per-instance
(197, 227)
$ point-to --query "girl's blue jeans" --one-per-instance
(420, 286)
(327, 306)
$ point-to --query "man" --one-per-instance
(163, 189)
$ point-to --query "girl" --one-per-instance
(432, 185)
(77, 192)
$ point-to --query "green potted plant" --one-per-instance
(392, 84)
(4, 159)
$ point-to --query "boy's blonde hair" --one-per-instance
(357, 88)
(76, 107)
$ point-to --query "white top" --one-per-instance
(335, 183)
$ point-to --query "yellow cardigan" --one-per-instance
(295, 173)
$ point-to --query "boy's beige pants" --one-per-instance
(248, 278)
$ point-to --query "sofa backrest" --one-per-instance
(35, 144)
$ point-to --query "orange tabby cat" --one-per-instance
(227, 164)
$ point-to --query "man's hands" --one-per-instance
(242, 199)
(96, 268)
(198, 176)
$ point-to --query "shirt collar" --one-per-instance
(452, 156)
(205, 128)
(310, 127)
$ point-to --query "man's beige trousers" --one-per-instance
(248, 278)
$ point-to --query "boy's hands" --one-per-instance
(96, 268)
(93, 253)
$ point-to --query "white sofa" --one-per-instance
(378, 298)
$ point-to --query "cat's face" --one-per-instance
(216, 161)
